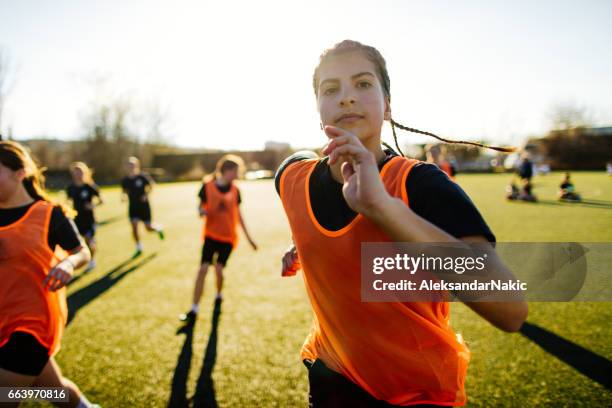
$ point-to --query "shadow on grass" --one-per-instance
(178, 395)
(606, 205)
(205, 390)
(109, 220)
(590, 364)
(83, 296)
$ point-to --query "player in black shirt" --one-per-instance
(81, 192)
(137, 186)
(567, 190)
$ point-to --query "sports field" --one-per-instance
(122, 348)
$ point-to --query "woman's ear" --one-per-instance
(20, 175)
(387, 115)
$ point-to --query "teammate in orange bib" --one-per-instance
(436, 154)
(377, 354)
(34, 270)
(220, 206)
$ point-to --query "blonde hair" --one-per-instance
(227, 162)
(135, 161)
(87, 172)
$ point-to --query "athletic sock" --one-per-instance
(138, 246)
(84, 403)
(195, 308)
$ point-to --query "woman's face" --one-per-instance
(131, 168)
(230, 174)
(350, 95)
(77, 175)
(10, 180)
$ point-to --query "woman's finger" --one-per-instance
(347, 170)
(49, 280)
(352, 151)
(58, 280)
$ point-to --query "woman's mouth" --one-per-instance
(349, 118)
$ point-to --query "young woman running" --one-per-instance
(220, 204)
(380, 354)
(137, 186)
(82, 192)
(39, 251)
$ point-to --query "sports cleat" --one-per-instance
(188, 317)
(137, 253)
(161, 234)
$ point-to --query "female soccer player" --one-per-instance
(374, 353)
(39, 251)
(82, 192)
(220, 204)
(137, 186)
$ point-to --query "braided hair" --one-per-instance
(374, 56)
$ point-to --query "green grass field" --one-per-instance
(122, 349)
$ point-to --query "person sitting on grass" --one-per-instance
(526, 192)
(566, 190)
(512, 191)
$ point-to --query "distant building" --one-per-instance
(277, 146)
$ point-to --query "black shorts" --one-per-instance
(212, 247)
(23, 354)
(86, 226)
(140, 212)
(331, 389)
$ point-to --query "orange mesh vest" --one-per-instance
(222, 213)
(403, 353)
(446, 167)
(25, 260)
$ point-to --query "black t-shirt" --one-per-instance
(222, 189)
(62, 230)
(82, 195)
(526, 169)
(432, 195)
(136, 187)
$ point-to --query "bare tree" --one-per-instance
(569, 115)
(7, 80)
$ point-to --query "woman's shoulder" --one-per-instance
(294, 158)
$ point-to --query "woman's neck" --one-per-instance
(373, 147)
(222, 181)
(18, 199)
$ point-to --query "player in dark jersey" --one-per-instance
(82, 192)
(137, 186)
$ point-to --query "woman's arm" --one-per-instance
(366, 194)
(246, 232)
(62, 273)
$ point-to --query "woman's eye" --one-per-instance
(364, 84)
(329, 91)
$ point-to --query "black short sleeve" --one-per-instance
(94, 189)
(62, 231)
(433, 196)
(202, 193)
(239, 197)
(146, 178)
(295, 157)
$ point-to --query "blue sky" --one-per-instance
(235, 74)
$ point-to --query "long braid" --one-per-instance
(413, 130)
(395, 138)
